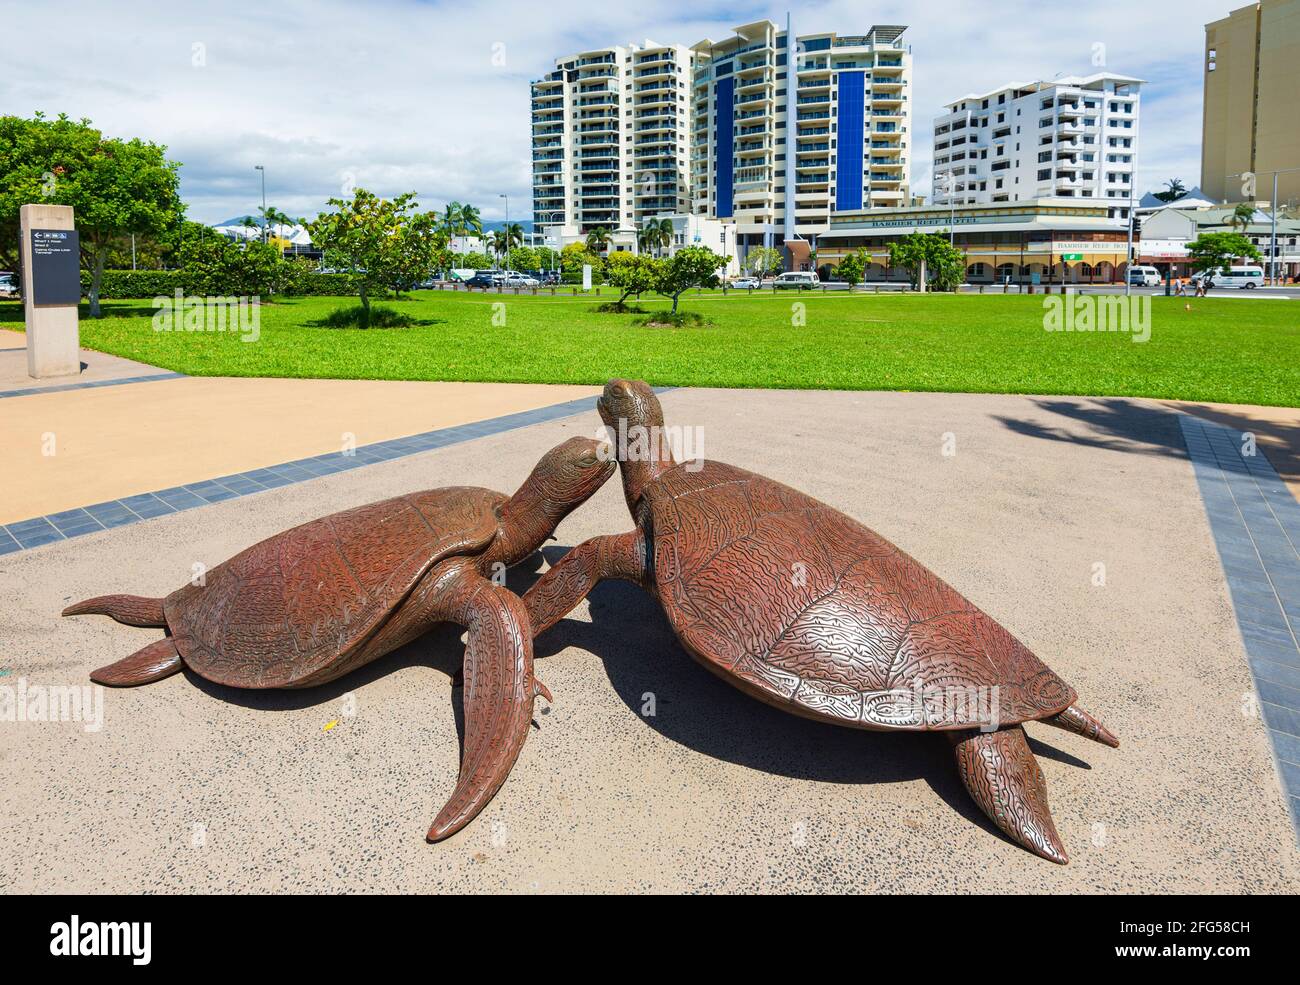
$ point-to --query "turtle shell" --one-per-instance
(807, 609)
(294, 605)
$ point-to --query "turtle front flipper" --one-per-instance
(1002, 776)
(499, 692)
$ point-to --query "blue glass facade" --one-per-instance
(722, 161)
(848, 151)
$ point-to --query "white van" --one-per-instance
(803, 280)
(1144, 276)
(1245, 278)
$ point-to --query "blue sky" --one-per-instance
(396, 95)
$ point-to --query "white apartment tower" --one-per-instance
(783, 137)
(1072, 137)
(611, 131)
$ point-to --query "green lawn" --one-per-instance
(1237, 351)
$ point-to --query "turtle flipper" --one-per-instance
(130, 610)
(148, 664)
(1002, 776)
(1075, 719)
(571, 579)
(499, 692)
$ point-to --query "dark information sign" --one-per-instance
(56, 266)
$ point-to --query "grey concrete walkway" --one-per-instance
(1077, 523)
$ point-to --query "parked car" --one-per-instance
(513, 279)
(1143, 276)
(485, 278)
(802, 280)
(747, 283)
(1243, 278)
(8, 284)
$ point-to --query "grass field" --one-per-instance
(1234, 351)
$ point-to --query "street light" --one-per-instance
(258, 167)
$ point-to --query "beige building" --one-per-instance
(1252, 80)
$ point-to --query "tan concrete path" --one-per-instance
(117, 441)
(192, 787)
(95, 367)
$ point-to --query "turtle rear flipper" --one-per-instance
(1002, 776)
(499, 693)
(130, 610)
(148, 664)
(1075, 719)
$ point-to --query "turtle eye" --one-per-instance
(587, 461)
(617, 390)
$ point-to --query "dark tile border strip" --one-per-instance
(1256, 525)
(94, 384)
(38, 531)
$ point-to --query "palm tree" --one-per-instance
(1243, 215)
(1174, 191)
(598, 239)
(657, 233)
(500, 243)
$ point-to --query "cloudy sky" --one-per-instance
(398, 95)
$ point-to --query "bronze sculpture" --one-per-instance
(804, 608)
(313, 603)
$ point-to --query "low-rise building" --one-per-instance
(1166, 233)
(1043, 241)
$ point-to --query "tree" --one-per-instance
(656, 234)
(1242, 216)
(522, 258)
(1174, 190)
(764, 260)
(632, 274)
(460, 220)
(115, 187)
(215, 265)
(1217, 251)
(691, 266)
(575, 256)
(851, 268)
(944, 263)
(598, 239)
(380, 244)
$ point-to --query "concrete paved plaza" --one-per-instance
(1078, 523)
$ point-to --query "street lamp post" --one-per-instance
(507, 226)
(258, 167)
(1272, 246)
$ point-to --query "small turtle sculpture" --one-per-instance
(311, 604)
(806, 609)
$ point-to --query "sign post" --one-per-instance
(51, 258)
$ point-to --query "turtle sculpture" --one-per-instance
(804, 608)
(313, 603)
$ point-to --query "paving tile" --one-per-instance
(1272, 670)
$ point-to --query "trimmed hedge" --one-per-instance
(121, 284)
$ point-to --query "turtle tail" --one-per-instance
(1075, 719)
(131, 610)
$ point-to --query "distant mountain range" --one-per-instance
(527, 224)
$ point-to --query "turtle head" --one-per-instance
(564, 479)
(635, 420)
(631, 403)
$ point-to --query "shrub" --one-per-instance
(362, 316)
(674, 319)
(119, 284)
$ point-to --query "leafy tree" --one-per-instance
(691, 266)
(1174, 190)
(1218, 251)
(574, 256)
(851, 268)
(547, 258)
(598, 239)
(380, 244)
(460, 220)
(115, 187)
(944, 263)
(522, 258)
(764, 260)
(632, 273)
(472, 261)
(215, 265)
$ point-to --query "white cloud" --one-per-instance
(399, 95)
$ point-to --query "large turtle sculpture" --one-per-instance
(317, 601)
(804, 608)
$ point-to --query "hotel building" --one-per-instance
(1070, 138)
(1252, 78)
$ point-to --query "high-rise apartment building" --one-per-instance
(1252, 80)
(784, 137)
(611, 132)
(1069, 138)
(741, 130)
